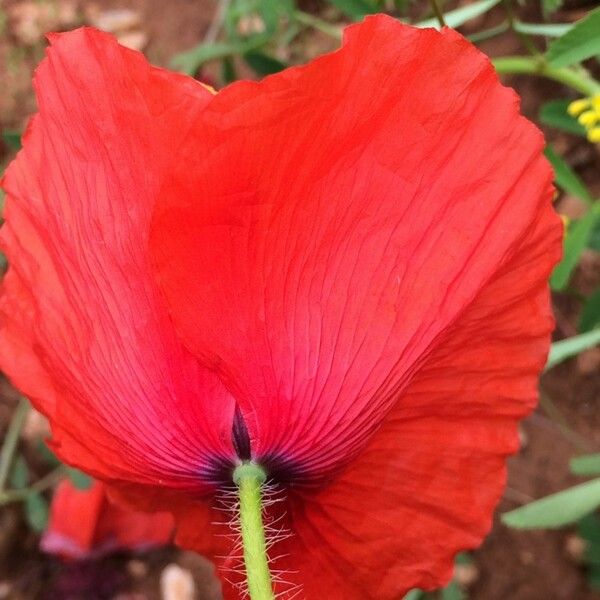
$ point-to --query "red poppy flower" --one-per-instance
(85, 524)
(339, 272)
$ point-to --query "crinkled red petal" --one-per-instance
(348, 214)
(83, 329)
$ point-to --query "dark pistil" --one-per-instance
(239, 435)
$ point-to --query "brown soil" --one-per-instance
(510, 564)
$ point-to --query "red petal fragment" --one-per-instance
(83, 330)
(84, 524)
(348, 214)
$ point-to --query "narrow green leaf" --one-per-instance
(545, 29)
(189, 62)
(594, 241)
(561, 351)
(263, 64)
(554, 114)
(587, 465)
(80, 480)
(574, 243)
(579, 43)
(452, 592)
(36, 512)
(414, 595)
(590, 315)
(557, 510)
(19, 476)
(565, 177)
(456, 18)
(356, 9)
(486, 34)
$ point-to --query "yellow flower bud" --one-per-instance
(578, 106)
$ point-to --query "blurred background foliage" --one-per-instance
(549, 50)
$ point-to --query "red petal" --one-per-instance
(348, 214)
(83, 329)
(426, 485)
(83, 524)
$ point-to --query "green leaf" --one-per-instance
(545, 29)
(452, 592)
(560, 351)
(46, 454)
(414, 595)
(486, 34)
(356, 9)
(80, 480)
(36, 512)
(580, 43)
(12, 139)
(263, 64)
(594, 241)
(189, 62)
(554, 114)
(575, 241)
(593, 578)
(557, 510)
(565, 177)
(228, 72)
(455, 18)
(586, 465)
(589, 528)
(19, 475)
(590, 315)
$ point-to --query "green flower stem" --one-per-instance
(249, 478)
(41, 485)
(578, 80)
(7, 454)
(319, 24)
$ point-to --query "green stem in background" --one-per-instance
(41, 485)
(525, 39)
(7, 454)
(319, 24)
(249, 478)
(578, 80)
(437, 11)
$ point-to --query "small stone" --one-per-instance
(466, 574)
(576, 547)
(36, 426)
(523, 437)
(116, 20)
(177, 583)
(137, 568)
(134, 40)
(5, 590)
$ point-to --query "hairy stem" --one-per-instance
(249, 478)
(578, 80)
